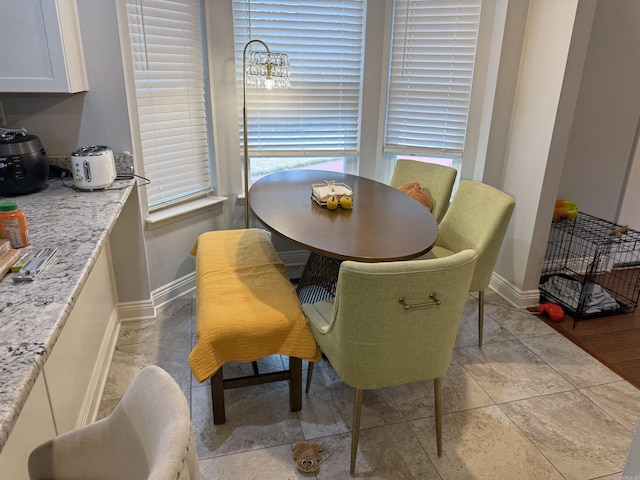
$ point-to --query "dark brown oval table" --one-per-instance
(384, 225)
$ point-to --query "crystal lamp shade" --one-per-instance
(268, 69)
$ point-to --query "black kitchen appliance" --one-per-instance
(24, 165)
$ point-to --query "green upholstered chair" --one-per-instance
(392, 323)
(436, 180)
(477, 218)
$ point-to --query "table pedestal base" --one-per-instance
(319, 278)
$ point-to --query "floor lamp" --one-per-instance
(264, 69)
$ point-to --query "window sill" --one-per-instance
(180, 212)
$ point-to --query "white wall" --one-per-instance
(552, 58)
(607, 112)
(67, 121)
(630, 213)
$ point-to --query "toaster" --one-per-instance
(93, 167)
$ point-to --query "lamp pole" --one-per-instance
(244, 122)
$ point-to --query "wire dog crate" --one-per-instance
(591, 267)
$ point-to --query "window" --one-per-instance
(433, 50)
(317, 120)
(167, 59)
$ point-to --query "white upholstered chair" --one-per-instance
(147, 436)
(632, 464)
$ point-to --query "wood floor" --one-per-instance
(615, 341)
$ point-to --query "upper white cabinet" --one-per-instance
(41, 47)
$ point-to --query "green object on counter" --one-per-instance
(22, 261)
(8, 206)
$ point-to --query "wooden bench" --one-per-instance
(246, 309)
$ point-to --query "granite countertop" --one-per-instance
(32, 314)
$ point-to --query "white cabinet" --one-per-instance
(41, 47)
(68, 391)
(34, 426)
(77, 369)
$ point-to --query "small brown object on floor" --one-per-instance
(307, 455)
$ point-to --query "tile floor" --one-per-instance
(529, 405)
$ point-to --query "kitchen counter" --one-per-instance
(32, 314)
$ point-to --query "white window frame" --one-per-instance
(187, 204)
(270, 113)
(370, 165)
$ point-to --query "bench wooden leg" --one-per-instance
(295, 384)
(217, 397)
(293, 375)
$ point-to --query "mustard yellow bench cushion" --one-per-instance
(246, 307)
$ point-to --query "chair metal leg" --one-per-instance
(480, 316)
(355, 433)
(438, 398)
(309, 373)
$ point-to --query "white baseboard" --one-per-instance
(137, 310)
(146, 309)
(177, 288)
(294, 262)
(95, 389)
(518, 298)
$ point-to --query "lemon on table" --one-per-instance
(332, 203)
(346, 202)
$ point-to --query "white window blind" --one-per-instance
(166, 49)
(432, 58)
(320, 113)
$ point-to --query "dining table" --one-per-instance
(383, 225)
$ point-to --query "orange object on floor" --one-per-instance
(553, 311)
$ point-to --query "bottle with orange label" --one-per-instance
(13, 225)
